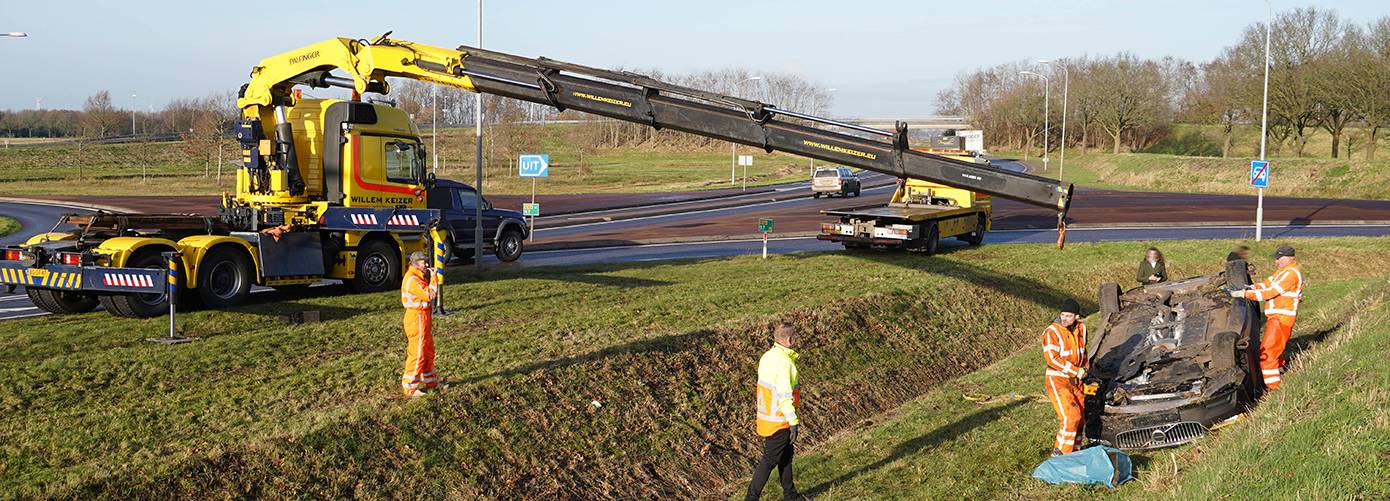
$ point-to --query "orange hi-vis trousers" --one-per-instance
(1067, 399)
(418, 374)
(1276, 336)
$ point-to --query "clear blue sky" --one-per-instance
(886, 58)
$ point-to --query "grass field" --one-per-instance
(175, 168)
(1190, 161)
(1325, 434)
(598, 381)
(8, 225)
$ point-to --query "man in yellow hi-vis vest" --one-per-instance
(777, 420)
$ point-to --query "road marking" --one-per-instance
(12, 310)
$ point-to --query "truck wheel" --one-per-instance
(1109, 297)
(139, 305)
(855, 246)
(978, 236)
(62, 302)
(928, 244)
(509, 246)
(224, 278)
(378, 267)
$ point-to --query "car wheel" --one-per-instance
(224, 277)
(815, 195)
(62, 302)
(140, 305)
(509, 246)
(1109, 297)
(378, 267)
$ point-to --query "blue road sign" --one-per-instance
(534, 165)
(1259, 174)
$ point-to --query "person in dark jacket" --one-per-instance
(1152, 269)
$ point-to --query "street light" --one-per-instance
(478, 156)
(733, 147)
(1047, 102)
(133, 109)
(1264, 126)
(813, 161)
(16, 34)
(1066, 83)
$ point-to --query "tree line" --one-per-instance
(1326, 73)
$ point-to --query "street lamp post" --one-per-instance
(1066, 85)
(733, 147)
(133, 108)
(15, 34)
(478, 184)
(1264, 126)
(813, 161)
(1047, 111)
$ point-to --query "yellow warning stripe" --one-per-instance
(54, 280)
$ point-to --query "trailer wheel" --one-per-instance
(378, 267)
(139, 305)
(224, 278)
(1109, 297)
(62, 302)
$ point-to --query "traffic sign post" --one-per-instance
(1259, 178)
(765, 227)
(745, 161)
(533, 166)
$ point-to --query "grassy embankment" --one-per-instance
(1190, 161)
(612, 380)
(8, 225)
(174, 168)
(1325, 435)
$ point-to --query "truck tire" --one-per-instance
(509, 247)
(224, 277)
(978, 236)
(1109, 297)
(62, 302)
(378, 267)
(139, 305)
(931, 242)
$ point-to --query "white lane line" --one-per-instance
(13, 298)
(27, 315)
(12, 310)
(703, 211)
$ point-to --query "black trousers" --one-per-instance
(777, 451)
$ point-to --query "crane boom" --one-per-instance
(635, 98)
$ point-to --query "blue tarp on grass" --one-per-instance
(1097, 465)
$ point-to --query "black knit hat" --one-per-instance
(1070, 306)
(1283, 250)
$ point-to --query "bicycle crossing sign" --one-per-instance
(1259, 174)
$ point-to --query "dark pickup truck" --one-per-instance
(504, 231)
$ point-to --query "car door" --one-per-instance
(466, 215)
(445, 199)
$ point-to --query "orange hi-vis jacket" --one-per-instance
(416, 292)
(778, 390)
(1064, 349)
(1281, 292)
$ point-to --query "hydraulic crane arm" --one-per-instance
(635, 98)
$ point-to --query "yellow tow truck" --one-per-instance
(920, 213)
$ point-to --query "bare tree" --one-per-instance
(99, 116)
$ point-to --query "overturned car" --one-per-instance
(1172, 359)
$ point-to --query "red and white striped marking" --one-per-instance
(126, 280)
(403, 220)
(363, 219)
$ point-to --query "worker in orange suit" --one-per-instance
(417, 294)
(1281, 293)
(1064, 350)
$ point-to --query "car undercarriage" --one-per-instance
(1172, 360)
